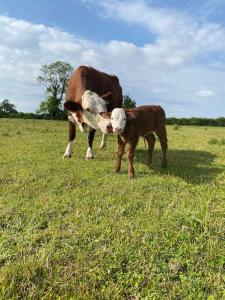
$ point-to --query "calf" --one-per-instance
(130, 124)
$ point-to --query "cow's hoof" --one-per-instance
(67, 156)
(131, 176)
(89, 154)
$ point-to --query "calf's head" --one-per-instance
(114, 121)
(118, 120)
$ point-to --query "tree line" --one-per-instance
(54, 77)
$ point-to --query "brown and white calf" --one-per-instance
(130, 124)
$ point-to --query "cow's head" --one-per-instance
(76, 113)
(92, 105)
(104, 122)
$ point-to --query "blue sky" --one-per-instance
(166, 52)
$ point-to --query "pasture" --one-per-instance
(72, 229)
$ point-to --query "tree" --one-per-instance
(128, 102)
(50, 107)
(54, 77)
(7, 107)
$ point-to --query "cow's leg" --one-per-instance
(103, 142)
(151, 143)
(119, 153)
(163, 142)
(130, 157)
(72, 134)
(91, 135)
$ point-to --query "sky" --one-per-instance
(166, 52)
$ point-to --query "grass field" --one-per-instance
(72, 229)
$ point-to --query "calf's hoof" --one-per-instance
(67, 156)
(131, 176)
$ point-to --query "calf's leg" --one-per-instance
(151, 143)
(130, 157)
(163, 142)
(72, 134)
(91, 135)
(119, 153)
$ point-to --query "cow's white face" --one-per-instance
(118, 120)
(104, 122)
(92, 103)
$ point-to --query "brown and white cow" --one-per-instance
(89, 93)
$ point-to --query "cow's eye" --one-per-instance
(88, 109)
(111, 118)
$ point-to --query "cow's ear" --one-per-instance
(72, 106)
(108, 97)
(105, 114)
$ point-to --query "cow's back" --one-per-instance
(87, 78)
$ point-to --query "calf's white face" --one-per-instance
(118, 120)
(93, 103)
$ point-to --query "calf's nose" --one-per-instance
(117, 129)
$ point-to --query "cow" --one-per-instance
(94, 92)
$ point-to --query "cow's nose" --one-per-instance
(109, 128)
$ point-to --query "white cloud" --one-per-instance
(164, 71)
(205, 93)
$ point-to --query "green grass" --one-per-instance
(72, 229)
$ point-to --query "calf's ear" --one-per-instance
(72, 106)
(130, 115)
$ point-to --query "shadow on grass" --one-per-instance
(195, 167)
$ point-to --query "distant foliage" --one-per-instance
(7, 107)
(197, 121)
(128, 102)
